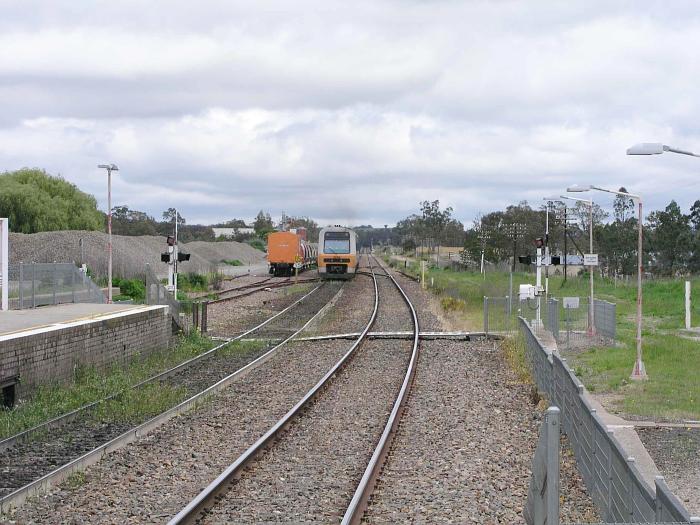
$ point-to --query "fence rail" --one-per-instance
(613, 480)
(40, 284)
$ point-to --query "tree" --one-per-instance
(169, 216)
(35, 201)
(623, 207)
(435, 220)
(671, 236)
(263, 224)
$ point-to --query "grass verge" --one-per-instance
(89, 385)
(672, 359)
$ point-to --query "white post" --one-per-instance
(109, 234)
(4, 269)
(538, 286)
(422, 266)
(175, 258)
(687, 305)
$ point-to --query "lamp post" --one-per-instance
(645, 148)
(110, 168)
(591, 306)
(639, 371)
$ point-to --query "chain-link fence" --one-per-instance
(567, 319)
(40, 284)
(611, 476)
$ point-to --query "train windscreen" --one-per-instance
(336, 242)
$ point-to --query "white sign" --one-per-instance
(590, 259)
(4, 270)
(297, 265)
(571, 302)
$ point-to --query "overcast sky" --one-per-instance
(350, 112)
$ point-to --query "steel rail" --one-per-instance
(262, 288)
(69, 416)
(358, 504)
(201, 504)
(20, 495)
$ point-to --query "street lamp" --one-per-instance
(645, 148)
(656, 148)
(110, 168)
(591, 306)
(639, 372)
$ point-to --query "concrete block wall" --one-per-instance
(52, 354)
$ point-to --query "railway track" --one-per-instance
(47, 453)
(332, 442)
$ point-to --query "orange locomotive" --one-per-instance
(284, 249)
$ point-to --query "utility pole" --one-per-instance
(110, 168)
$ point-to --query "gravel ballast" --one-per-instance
(465, 444)
(154, 477)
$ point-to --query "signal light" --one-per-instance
(539, 242)
(183, 257)
(165, 257)
(556, 260)
(525, 259)
(170, 240)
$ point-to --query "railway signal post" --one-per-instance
(4, 269)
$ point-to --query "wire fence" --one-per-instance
(611, 477)
(567, 319)
(40, 284)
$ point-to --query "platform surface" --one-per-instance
(14, 321)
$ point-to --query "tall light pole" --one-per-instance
(645, 148)
(639, 371)
(110, 168)
(591, 306)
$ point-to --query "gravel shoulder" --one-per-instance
(676, 453)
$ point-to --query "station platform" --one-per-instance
(14, 321)
(48, 344)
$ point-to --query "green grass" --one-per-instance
(89, 385)
(232, 262)
(672, 361)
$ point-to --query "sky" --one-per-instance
(351, 112)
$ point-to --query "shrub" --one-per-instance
(133, 288)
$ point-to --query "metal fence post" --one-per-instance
(21, 287)
(53, 279)
(630, 491)
(33, 285)
(72, 284)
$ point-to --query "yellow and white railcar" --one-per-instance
(337, 253)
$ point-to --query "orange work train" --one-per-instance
(284, 249)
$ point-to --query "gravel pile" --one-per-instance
(465, 443)
(130, 254)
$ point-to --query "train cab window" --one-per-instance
(336, 242)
